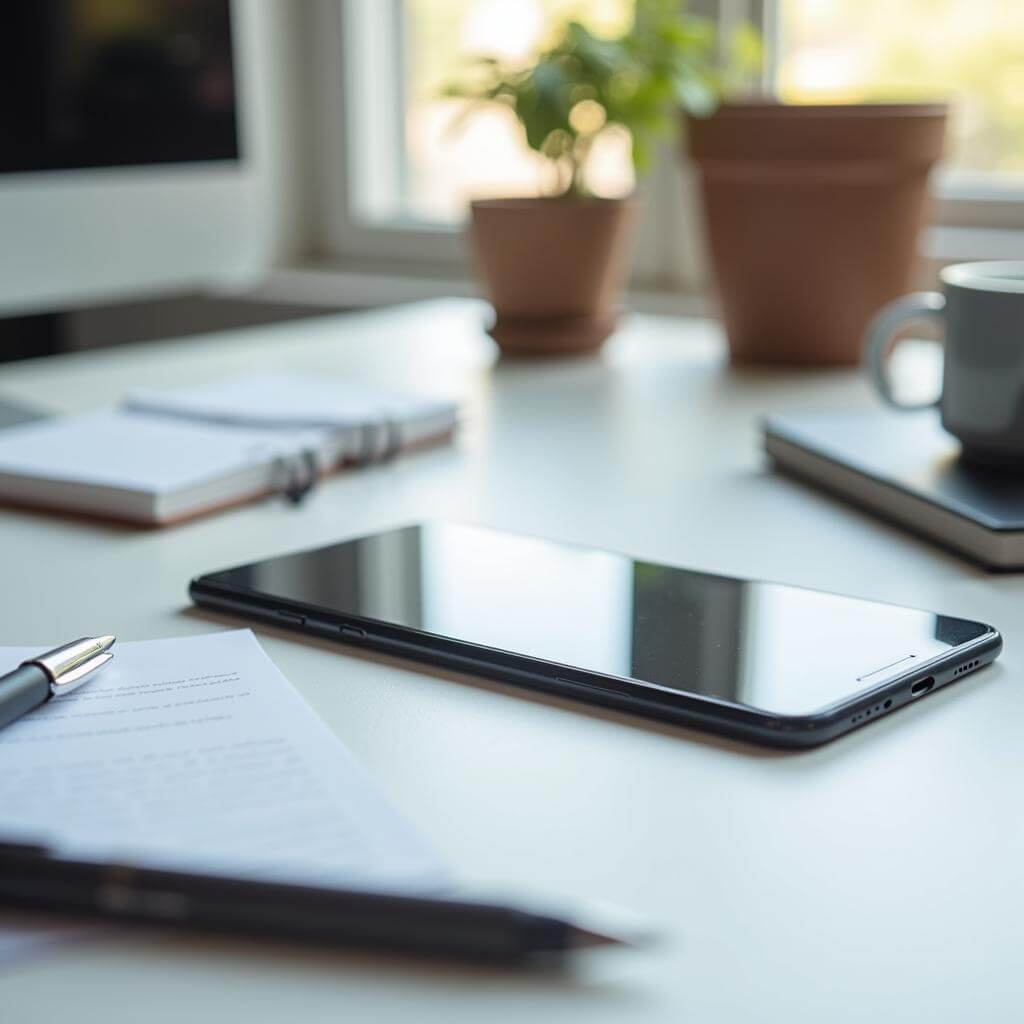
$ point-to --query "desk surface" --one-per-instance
(878, 876)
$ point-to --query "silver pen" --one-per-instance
(58, 671)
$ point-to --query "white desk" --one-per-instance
(878, 877)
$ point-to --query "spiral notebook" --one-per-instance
(166, 456)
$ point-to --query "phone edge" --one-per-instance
(722, 718)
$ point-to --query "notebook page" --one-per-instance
(141, 453)
(195, 754)
(288, 399)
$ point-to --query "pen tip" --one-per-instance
(590, 938)
(106, 642)
(606, 926)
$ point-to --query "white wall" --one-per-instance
(74, 238)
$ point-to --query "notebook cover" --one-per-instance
(912, 453)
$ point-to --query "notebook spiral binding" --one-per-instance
(380, 441)
(298, 473)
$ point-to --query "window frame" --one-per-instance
(340, 61)
(665, 258)
(352, 35)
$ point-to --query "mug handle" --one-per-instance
(879, 341)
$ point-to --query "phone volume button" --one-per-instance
(353, 631)
(561, 680)
(294, 617)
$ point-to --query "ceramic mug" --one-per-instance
(982, 310)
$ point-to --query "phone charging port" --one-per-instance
(922, 686)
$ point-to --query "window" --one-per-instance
(444, 157)
(411, 165)
(971, 51)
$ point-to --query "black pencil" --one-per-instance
(33, 878)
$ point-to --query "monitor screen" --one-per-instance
(111, 83)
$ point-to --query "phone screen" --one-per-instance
(781, 649)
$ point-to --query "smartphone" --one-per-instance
(762, 662)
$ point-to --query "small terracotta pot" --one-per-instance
(554, 269)
(813, 215)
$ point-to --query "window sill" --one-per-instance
(339, 285)
(947, 244)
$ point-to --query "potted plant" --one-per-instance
(555, 266)
(813, 215)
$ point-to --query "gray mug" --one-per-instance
(982, 400)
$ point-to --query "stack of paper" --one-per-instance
(196, 755)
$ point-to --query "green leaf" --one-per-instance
(668, 60)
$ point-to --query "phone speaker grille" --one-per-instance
(868, 712)
(967, 668)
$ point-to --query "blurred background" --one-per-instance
(819, 51)
(175, 166)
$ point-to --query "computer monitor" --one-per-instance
(126, 149)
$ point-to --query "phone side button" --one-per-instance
(353, 631)
(293, 617)
(576, 684)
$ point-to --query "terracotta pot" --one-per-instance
(554, 269)
(813, 216)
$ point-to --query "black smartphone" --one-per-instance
(763, 662)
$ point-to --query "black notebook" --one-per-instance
(906, 468)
